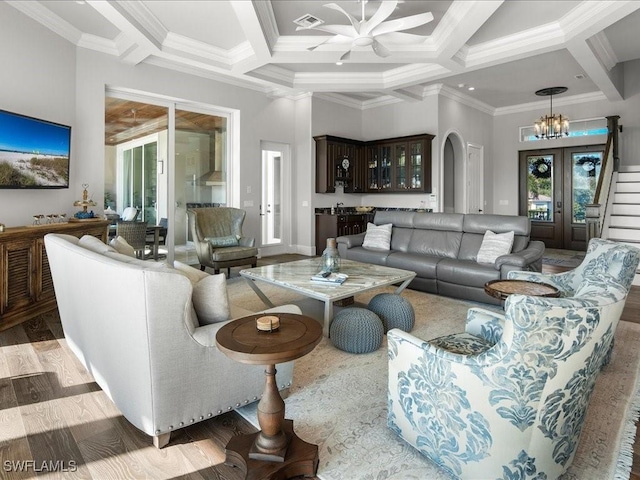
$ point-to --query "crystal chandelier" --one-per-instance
(552, 125)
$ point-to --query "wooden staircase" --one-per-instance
(623, 223)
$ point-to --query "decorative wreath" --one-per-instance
(541, 168)
(589, 164)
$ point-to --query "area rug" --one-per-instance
(339, 400)
(563, 258)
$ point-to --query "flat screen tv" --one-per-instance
(33, 153)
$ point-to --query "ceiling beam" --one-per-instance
(608, 81)
(259, 27)
(134, 20)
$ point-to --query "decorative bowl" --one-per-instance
(364, 209)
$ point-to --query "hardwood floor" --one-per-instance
(53, 416)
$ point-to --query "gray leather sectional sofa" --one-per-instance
(442, 248)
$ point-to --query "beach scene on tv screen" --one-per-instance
(33, 153)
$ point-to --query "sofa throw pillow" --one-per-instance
(378, 236)
(210, 299)
(122, 246)
(494, 245)
(94, 244)
(228, 241)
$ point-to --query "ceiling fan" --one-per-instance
(374, 31)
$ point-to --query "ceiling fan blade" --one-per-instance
(352, 19)
(346, 55)
(337, 39)
(346, 30)
(380, 49)
(404, 23)
(401, 38)
(386, 8)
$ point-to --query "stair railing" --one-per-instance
(596, 211)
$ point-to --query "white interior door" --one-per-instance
(475, 178)
(274, 207)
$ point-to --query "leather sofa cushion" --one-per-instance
(364, 255)
(475, 223)
(398, 219)
(423, 265)
(465, 272)
(435, 242)
(451, 222)
(400, 239)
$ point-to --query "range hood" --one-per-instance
(215, 177)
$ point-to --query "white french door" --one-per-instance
(275, 198)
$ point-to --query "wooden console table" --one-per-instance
(26, 287)
(275, 452)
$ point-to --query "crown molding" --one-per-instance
(47, 18)
(339, 99)
(204, 72)
(268, 22)
(603, 50)
(180, 44)
(99, 44)
(464, 99)
(146, 20)
(558, 102)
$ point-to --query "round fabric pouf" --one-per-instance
(356, 330)
(394, 311)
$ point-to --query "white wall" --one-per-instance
(37, 79)
(472, 126)
(303, 176)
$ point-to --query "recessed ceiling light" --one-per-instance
(338, 63)
(461, 85)
(471, 88)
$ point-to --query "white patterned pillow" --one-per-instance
(494, 245)
(378, 236)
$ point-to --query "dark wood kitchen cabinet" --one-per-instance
(339, 160)
(392, 165)
(332, 226)
(400, 165)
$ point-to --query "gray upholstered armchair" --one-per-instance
(217, 235)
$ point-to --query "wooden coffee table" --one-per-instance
(275, 451)
(501, 289)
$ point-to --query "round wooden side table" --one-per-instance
(275, 451)
(501, 289)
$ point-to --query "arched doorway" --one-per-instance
(453, 174)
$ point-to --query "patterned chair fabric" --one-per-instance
(507, 400)
(603, 256)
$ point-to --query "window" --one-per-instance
(577, 128)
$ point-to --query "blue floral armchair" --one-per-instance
(507, 398)
(603, 256)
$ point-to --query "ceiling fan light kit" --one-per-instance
(552, 125)
(373, 32)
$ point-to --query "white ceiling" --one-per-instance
(505, 49)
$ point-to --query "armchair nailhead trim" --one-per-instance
(193, 420)
(157, 432)
(229, 408)
(201, 417)
(219, 412)
(237, 404)
(170, 427)
(246, 401)
(210, 415)
(255, 398)
(182, 424)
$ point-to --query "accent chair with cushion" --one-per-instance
(217, 235)
(146, 333)
(134, 233)
(511, 396)
(603, 256)
(129, 214)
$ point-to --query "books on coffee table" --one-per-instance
(332, 278)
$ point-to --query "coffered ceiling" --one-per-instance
(505, 50)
